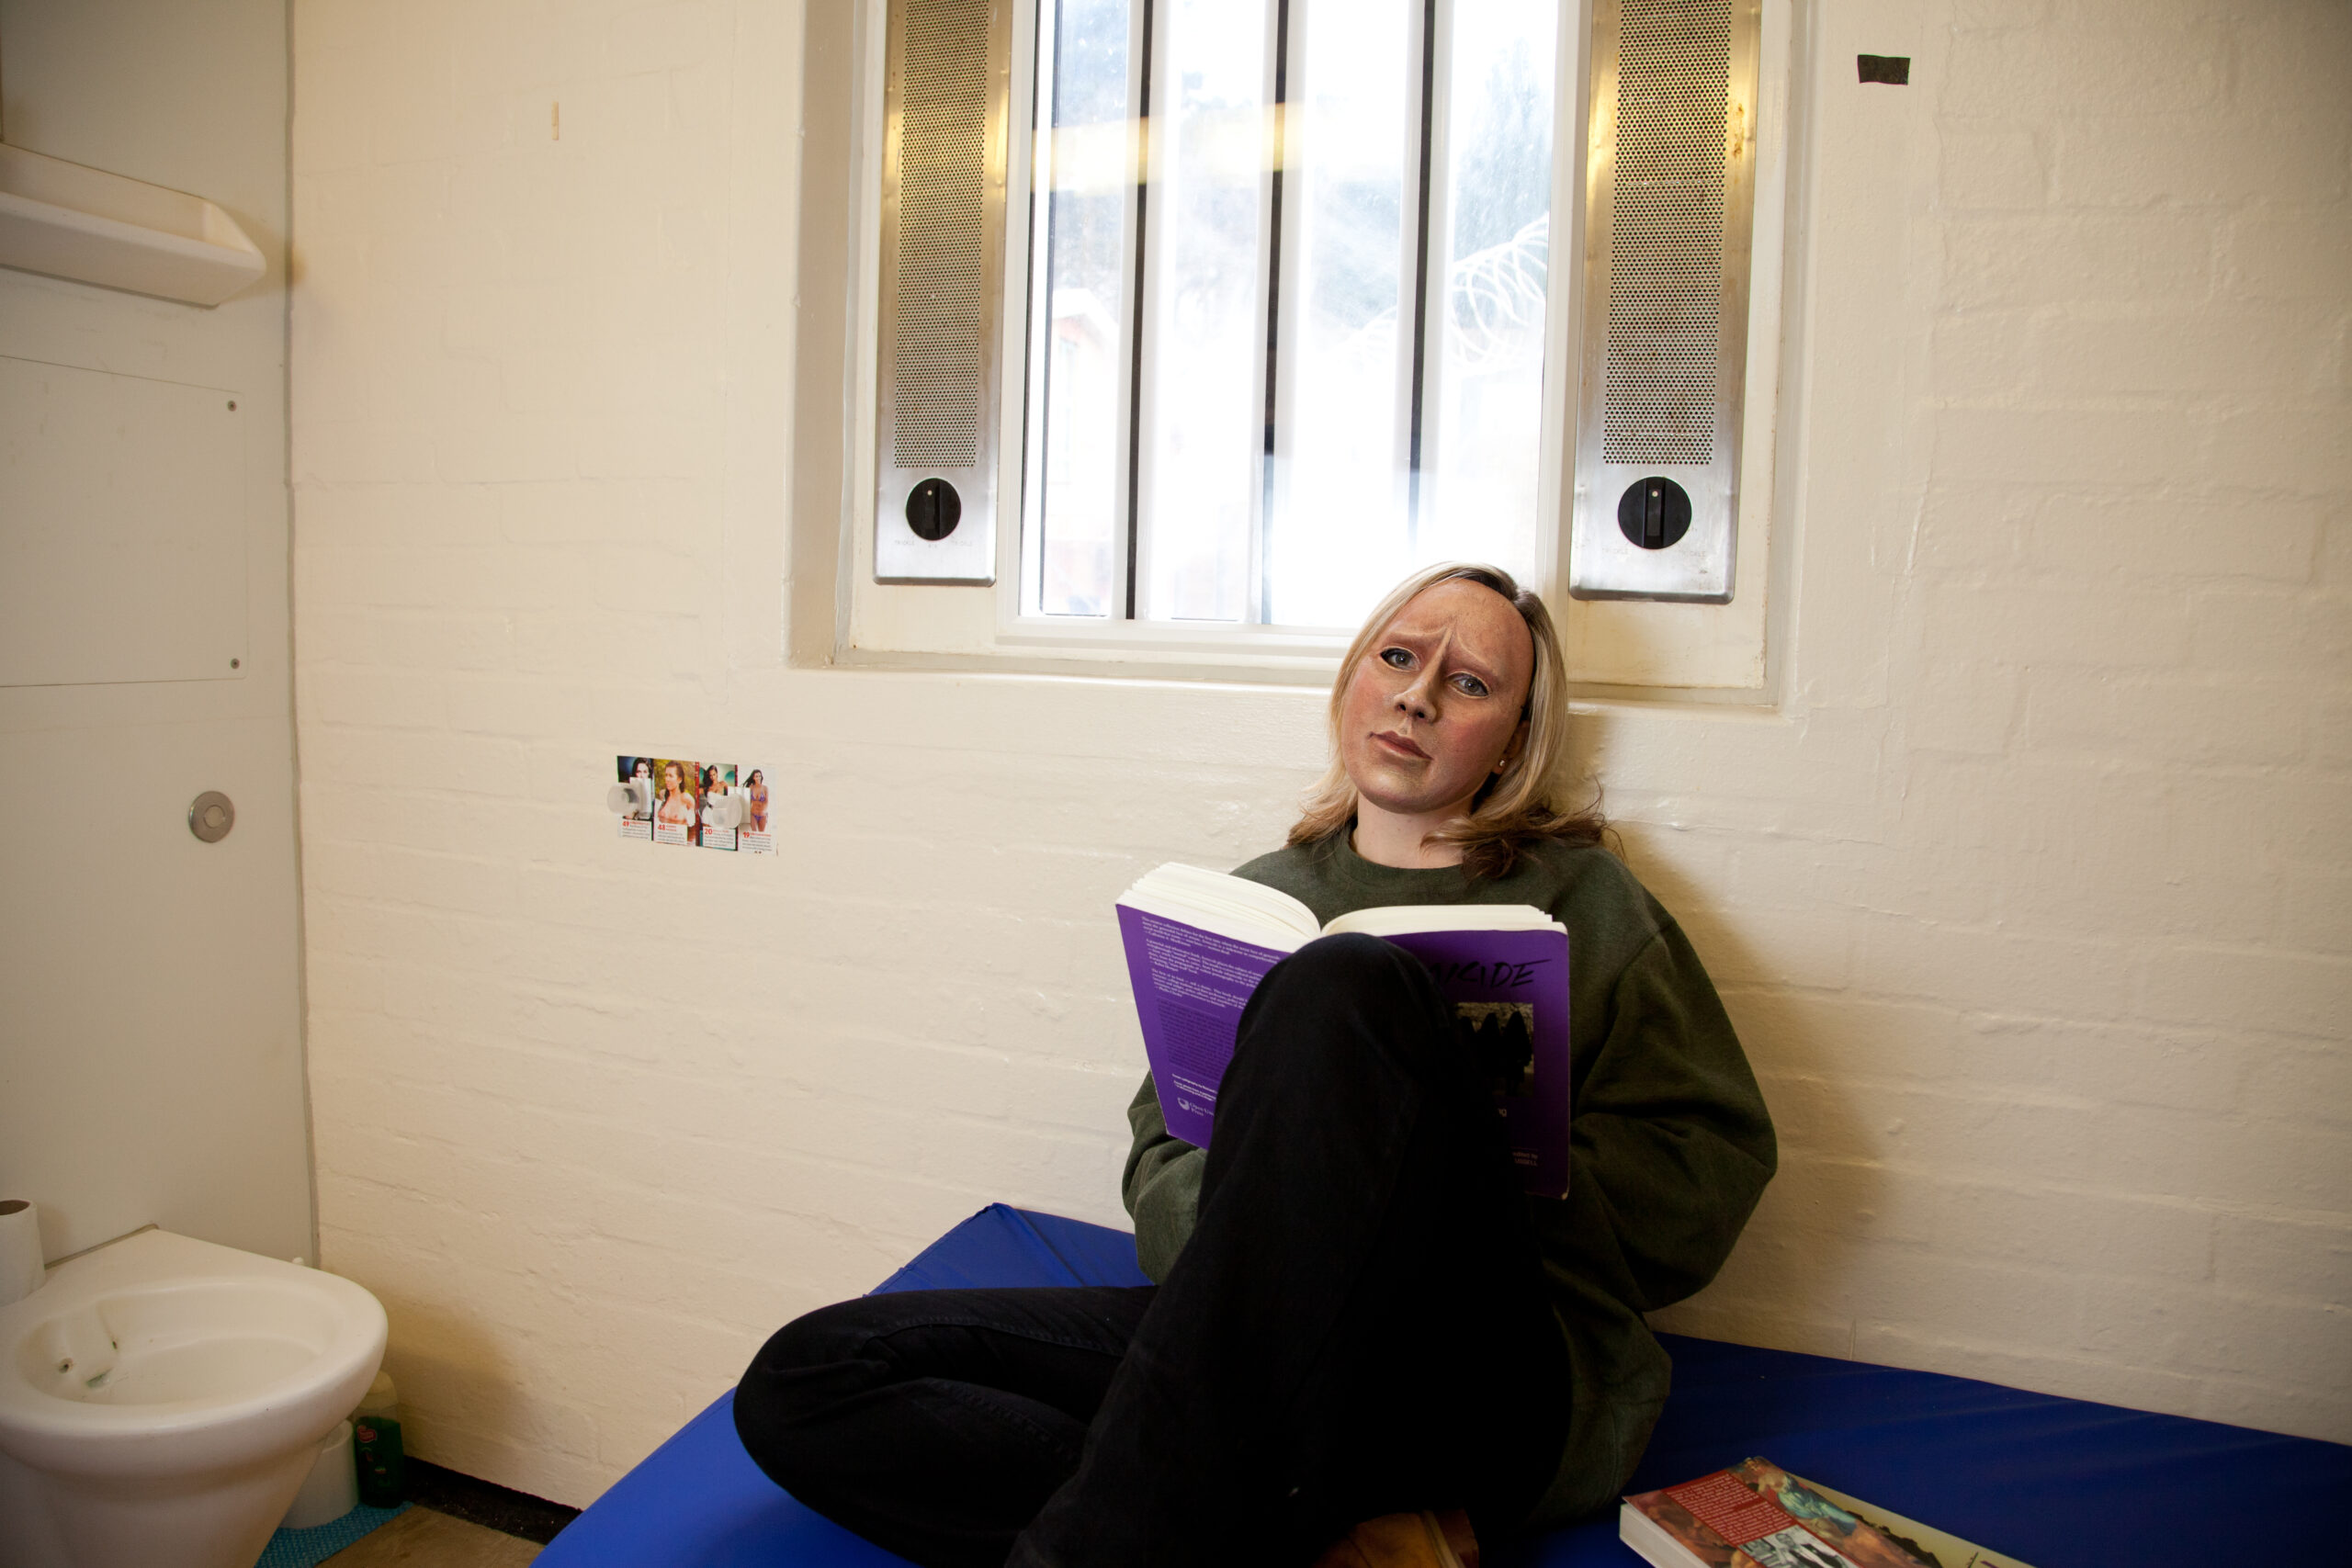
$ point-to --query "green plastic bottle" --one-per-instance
(376, 1446)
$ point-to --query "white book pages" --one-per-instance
(1400, 919)
(1642, 1533)
(1231, 906)
(1219, 887)
(1249, 911)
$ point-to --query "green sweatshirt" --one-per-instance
(1670, 1143)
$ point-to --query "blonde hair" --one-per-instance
(1513, 809)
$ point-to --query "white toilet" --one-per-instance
(162, 1400)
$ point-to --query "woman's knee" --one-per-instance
(805, 1366)
(1353, 958)
(808, 1343)
(1353, 972)
(1340, 995)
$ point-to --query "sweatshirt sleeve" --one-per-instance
(1670, 1142)
(1162, 1185)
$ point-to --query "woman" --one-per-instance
(1366, 1345)
(756, 817)
(643, 770)
(677, 808)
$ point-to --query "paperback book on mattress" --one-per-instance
(1199, 942)
(1757, 1515)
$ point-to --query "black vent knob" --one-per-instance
(1654, 512)
(934, 509)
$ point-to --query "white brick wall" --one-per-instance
(2030, 900)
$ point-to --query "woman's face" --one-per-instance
(644, 770)
(1434, 705)
(672, 780)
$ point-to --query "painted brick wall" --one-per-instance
(2031, 899)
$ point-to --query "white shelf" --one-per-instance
(69, 221)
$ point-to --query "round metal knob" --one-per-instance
(1654, 512)
(934, 509)
(210, 816)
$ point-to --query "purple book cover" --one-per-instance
(1510, 991)
(1510, 995)
(1191, 986)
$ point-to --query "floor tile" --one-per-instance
(422, 1539)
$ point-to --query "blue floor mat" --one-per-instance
(300, 1549)
(2060, 1482)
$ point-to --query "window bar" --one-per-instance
(1037, 365)
(1159, 107)
(1054, 236)
(1291, 189)
(1143, 30)
(1277, 143)
(1413, 465)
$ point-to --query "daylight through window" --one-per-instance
(1286, 325)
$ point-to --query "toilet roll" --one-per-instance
(22, 1271)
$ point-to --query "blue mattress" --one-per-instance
(2060, 1482)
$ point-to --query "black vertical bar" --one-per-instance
(1421, 274)
(1042, 406)
(1135, 355)
(1281, 145)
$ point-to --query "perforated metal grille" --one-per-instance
(943, 202)
(1666, 250)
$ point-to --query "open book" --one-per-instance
(1199, 942)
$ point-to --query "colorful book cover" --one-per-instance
(1721, 1523)
(1938, 1549)
(1511, 994)
(1757, 1515)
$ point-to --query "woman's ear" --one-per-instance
(1510, 751)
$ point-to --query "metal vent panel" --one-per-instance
(943, 235)
(943, 266)
(1666, 266)
(1670, 197)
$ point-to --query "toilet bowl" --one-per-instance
(162, 1400)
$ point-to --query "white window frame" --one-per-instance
(1704, 650)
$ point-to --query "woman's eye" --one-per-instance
(1397, 657)
(1470, 685)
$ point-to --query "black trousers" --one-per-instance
(1357, 1327)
